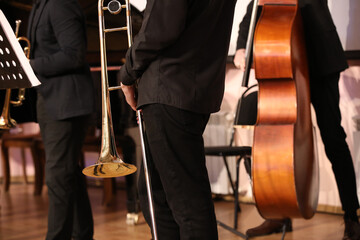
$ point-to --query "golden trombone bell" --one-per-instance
(109, 163)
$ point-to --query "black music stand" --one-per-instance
(15, 69)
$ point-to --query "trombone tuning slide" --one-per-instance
(114, 7)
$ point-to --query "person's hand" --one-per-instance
(129, 92)
(239, 59)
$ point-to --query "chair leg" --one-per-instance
(229, 174)
(235, 188)
(247, 163)
(108, 192)
(39, 169)
(236, 195)
(5, 167)
(23, 162)
(236, 199)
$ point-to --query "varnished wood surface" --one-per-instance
(23, 216)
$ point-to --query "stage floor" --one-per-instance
(23, 216)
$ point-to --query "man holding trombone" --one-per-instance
(178, 63)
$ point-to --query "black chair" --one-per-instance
(246, 114)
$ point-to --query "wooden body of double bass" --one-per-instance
(284, 170)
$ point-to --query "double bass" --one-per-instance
(285, 179)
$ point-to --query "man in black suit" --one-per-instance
(179, 57)
(326, 60)
(65, 102)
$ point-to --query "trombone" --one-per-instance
(109, 163)
(6, 122)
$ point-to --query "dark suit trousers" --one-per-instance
(325, 99)
(69, 213)
(180, 184)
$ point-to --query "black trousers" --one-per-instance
(325, 99)
(70, 215)
(176, 161)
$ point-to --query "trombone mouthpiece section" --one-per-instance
(109, 170)
(114, 7)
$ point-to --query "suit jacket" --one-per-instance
(58, 47)
(179, 54)
(324, 49)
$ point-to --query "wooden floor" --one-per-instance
(23, 216)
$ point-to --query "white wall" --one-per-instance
(347, 20)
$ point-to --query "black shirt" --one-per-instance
(179, 54)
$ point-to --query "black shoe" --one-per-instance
(269, 227)
(352, 230)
